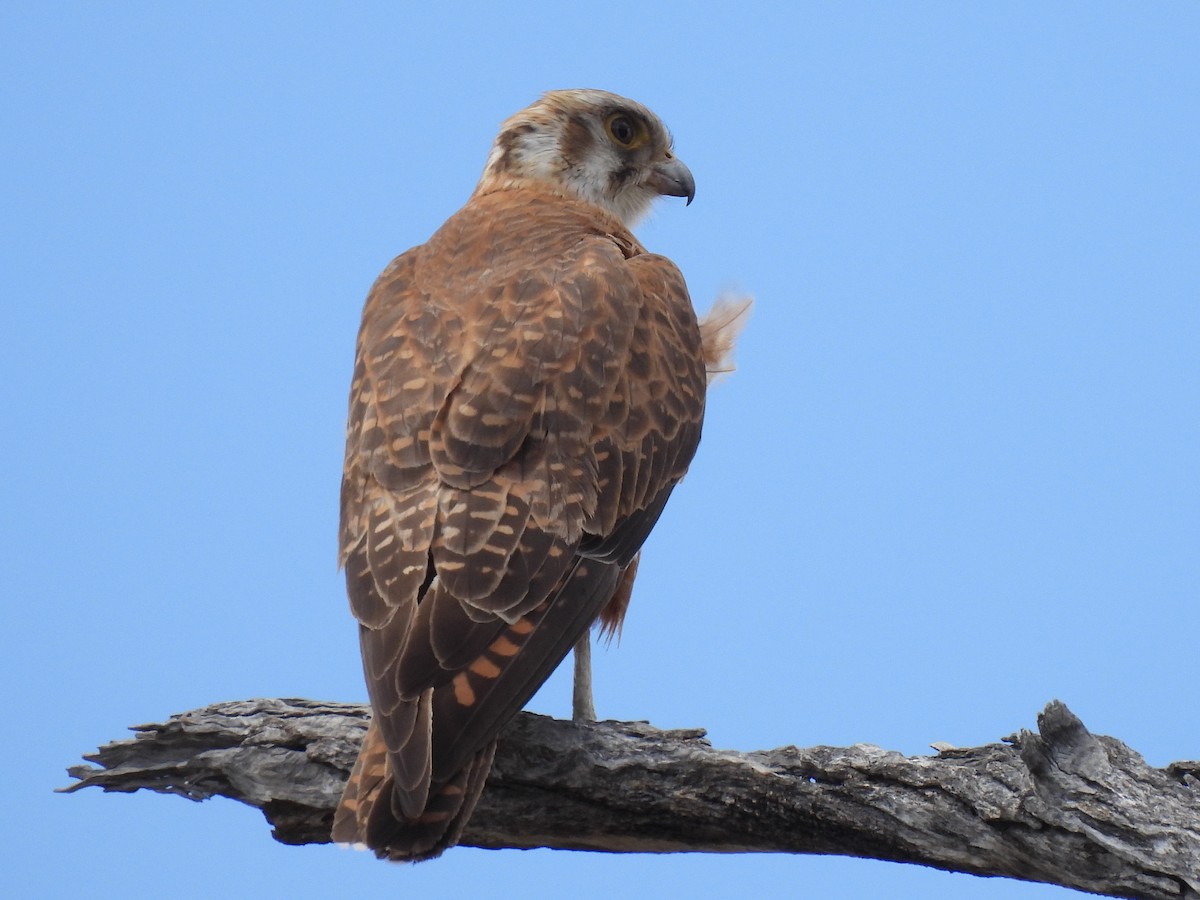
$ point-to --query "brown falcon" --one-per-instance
(528, 389)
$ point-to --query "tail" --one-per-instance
(368, 817)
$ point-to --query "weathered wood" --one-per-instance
(1061, 806)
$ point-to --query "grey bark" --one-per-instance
(1061, 806)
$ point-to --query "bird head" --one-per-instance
(592, 146)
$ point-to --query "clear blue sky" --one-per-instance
(955, 476)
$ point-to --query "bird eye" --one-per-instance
(626, 131)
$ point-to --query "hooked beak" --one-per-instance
(672, 179)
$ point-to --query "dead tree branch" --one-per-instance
(1061, 806)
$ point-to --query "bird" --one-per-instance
(528, 389)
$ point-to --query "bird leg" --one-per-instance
(582, 707)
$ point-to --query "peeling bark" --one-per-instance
(1062, 806)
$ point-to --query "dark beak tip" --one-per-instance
(672, 178)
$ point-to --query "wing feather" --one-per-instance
(500, 681)
(528, 389)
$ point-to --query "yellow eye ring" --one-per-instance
(626, 131)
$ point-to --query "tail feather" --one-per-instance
(370, 813)
(362, 791)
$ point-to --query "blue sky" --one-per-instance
(954, 477)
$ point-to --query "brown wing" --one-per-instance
(529, 387)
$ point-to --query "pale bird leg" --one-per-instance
(582, 707)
